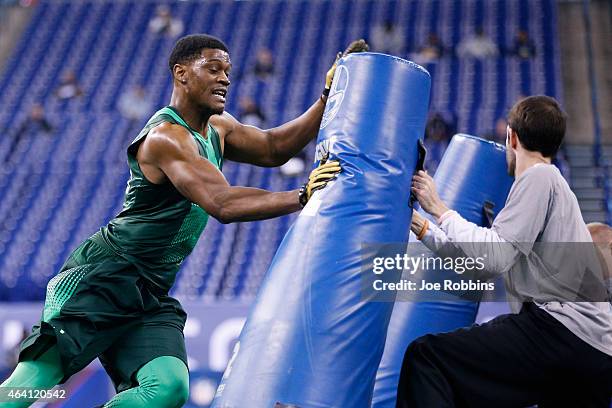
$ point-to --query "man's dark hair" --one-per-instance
(539, 122)
(190, 47)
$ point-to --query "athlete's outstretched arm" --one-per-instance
(273, 147)
(171, 151)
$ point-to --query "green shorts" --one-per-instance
(100, 306)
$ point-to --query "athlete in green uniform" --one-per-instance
(110, 299)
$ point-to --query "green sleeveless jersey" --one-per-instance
(158, 227)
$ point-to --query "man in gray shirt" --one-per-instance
(557, 350)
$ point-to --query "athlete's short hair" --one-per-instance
(539, 123)
(190, 47)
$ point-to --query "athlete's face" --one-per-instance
(208, 79)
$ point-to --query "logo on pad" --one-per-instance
(336, 95)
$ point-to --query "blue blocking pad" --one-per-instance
(471, 179)
(312, 339)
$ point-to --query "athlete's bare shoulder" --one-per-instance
(165, 144)
(168, 139)
(224, 123)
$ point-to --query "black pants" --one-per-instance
(512, 361)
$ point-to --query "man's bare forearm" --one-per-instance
(290, 138)
(252, 204)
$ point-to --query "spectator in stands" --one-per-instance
(430, 51)
(264, 64)
(250, 113)
(69, 87)
(523, 46)
(35, 123)
(388, 39)
(499, 133)
(164, 23)
(477, 46)
(134, 104)
(437, 136)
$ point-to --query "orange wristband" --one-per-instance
(423, 231)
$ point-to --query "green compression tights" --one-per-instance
(44, 373)
(162, 382)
